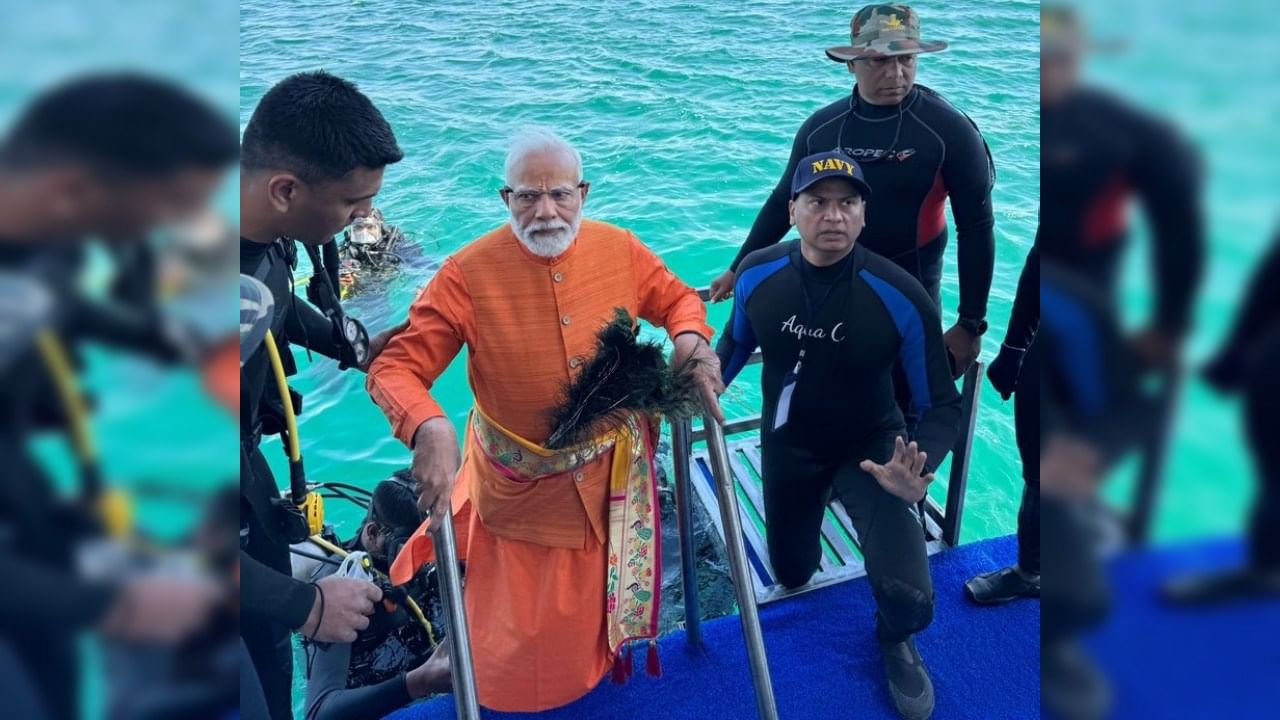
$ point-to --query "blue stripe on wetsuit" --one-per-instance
(1080, 346)
(911, 329)
(744, 337)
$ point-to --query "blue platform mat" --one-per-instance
(985, 662)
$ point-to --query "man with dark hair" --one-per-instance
(832, 319)
(312, 160)
(109, 157)
(917, 150)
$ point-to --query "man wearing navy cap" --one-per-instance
(831, 319)
(920, 151)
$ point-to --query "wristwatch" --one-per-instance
(976, 327)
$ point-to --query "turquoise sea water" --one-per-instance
(684, 114)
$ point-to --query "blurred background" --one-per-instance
(158, 423)
(1157, 598)
(156, 535)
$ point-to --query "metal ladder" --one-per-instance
(841, 556)
(462, 669)
(723, 469)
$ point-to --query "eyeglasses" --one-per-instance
(525, 199)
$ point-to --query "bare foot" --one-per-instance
(432, 676)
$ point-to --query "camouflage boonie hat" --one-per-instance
(1060, 31)
(1063, 32)
(883, 31)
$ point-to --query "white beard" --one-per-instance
(547, 239)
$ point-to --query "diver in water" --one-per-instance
(368, 247)
(391, 663)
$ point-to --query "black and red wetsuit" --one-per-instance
(1097, 153)
(915, 155)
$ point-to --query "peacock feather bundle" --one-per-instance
(625, 375)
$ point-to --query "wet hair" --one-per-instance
(395, 504)
(122, 124)
(318, 127)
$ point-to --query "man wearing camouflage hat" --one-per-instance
(916, 150)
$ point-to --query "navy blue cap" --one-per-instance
(823, 165)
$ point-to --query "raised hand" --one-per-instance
(901, 476)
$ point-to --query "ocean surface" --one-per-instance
(684, 113)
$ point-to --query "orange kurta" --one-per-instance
(535, 591)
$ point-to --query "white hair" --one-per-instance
(539, 140)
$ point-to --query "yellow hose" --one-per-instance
(413, 606)
(312, 505)
(64, 380)
(290, 420)
(114, 506)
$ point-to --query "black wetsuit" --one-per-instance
(1096, 153)
(1247, 363)
(365, 679)
(1024, 320)
(273, 603)
(915, 155)
(1089, 389)
(44, 603)
(866, 315)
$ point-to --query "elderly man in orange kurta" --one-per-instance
(561, 546)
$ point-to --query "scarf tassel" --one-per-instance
(652, 665)
(622, 665)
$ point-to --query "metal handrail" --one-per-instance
(684, 525)
(958, 482)
(461, 668)
(740, 570)
(1155, 452)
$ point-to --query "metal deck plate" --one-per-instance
(841, 557)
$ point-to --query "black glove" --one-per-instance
(1004, 370)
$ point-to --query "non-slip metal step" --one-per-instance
(841, 557)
